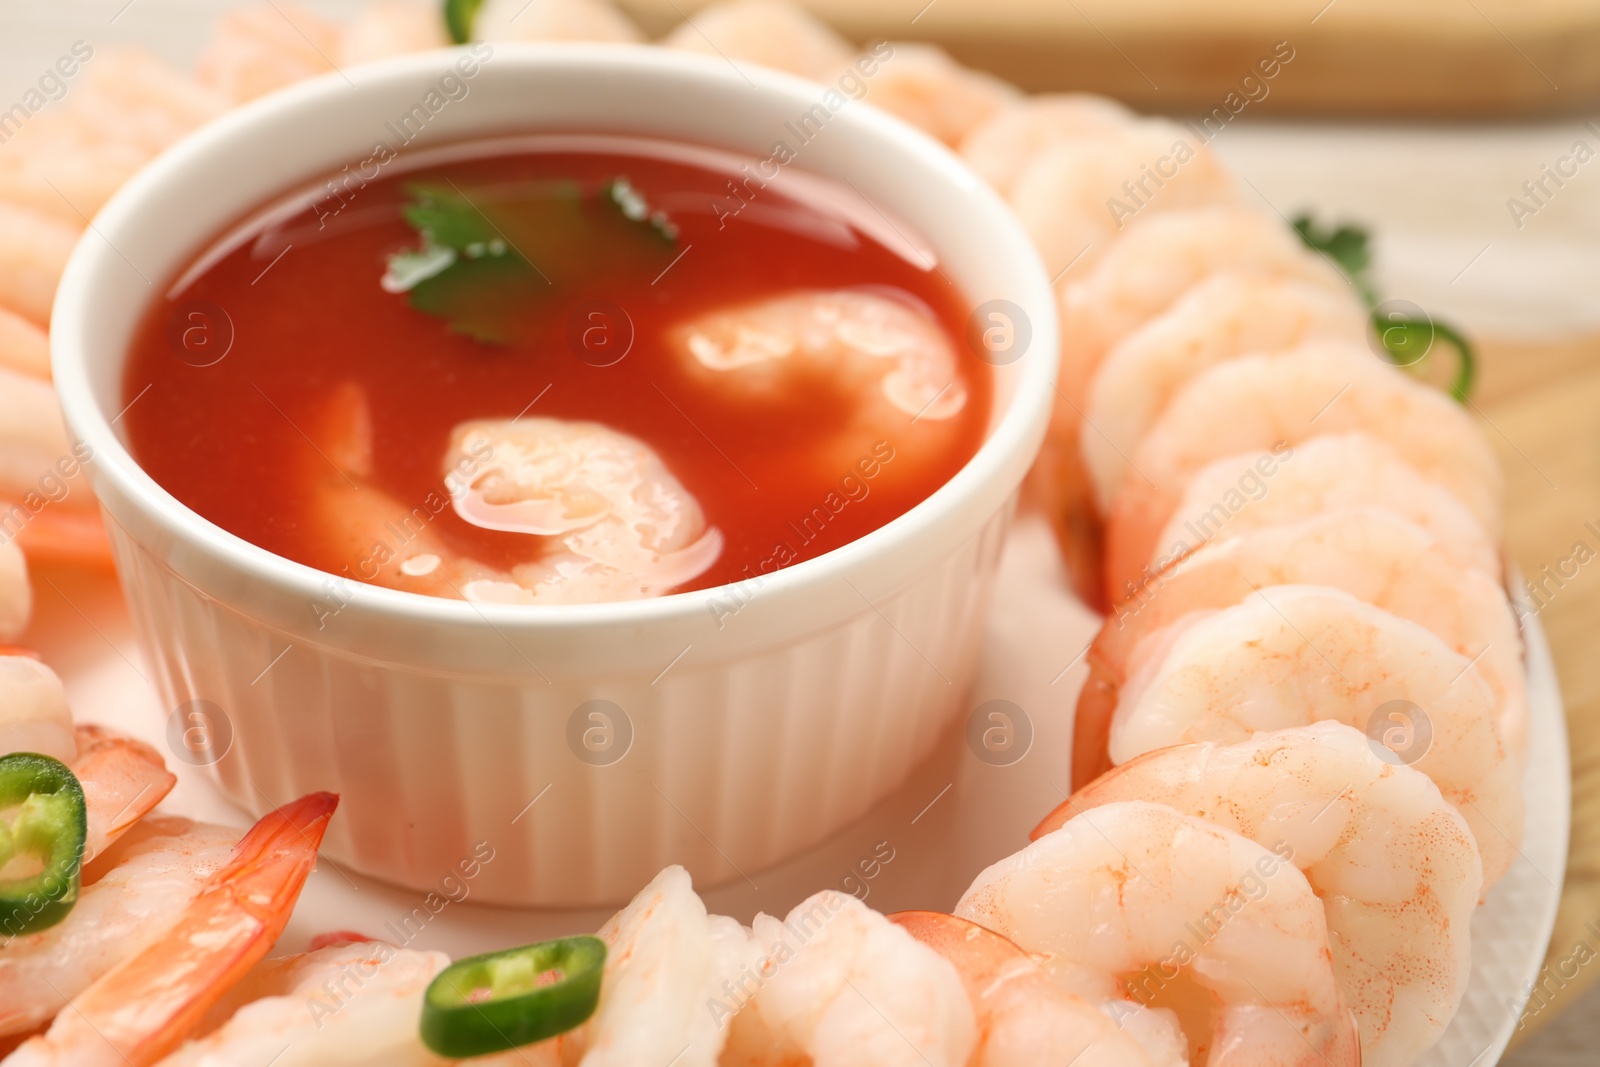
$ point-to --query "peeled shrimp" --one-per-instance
(838, 985)
(45, 501)
(1323, 387)
(1076, 199)
(133, 894)
(604, 518)
(1224, 317)
(1154, 262)
(149, 1002)
(1328, 473)
(124, 107)
(668, 968)
(768, 32)
(892, 364)
(24, 347)
(1395, 865)
(34, 716)
(554, 20)
(350, 1004)
(1013, 137)
(122, 779)
(33, 252)
(1135, 900)
(386, 28)
(1024, 1020)
(1292, 655)
(255, 50)
(921, 84)
(1374, 555)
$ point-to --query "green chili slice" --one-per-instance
(43, 825)
(459, 15)
(501, 1000)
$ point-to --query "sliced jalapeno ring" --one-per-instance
(43, 826)
(502, 1000)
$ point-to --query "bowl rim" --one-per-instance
(93, 266)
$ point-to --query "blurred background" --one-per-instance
(1465, 134)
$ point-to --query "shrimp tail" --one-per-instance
(123, 779)
(146, 1006)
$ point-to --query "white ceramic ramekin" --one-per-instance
(735, 726)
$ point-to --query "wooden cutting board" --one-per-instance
(1351, 57)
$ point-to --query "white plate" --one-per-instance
(956, 815)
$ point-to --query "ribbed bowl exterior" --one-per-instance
(732, 766)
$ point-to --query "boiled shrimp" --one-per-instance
(554, 20)
(766, 32)
(1154, 262)
(124, 107)
(665, 974)
(838, 985)
(132, 895)
(1024, 1020)
(1136, 901)
(921, 84)
(33, 252)
(1374, 555)
(149, 1002)
(34, 716)
(1292, 655)
(1262, 402)
(1401, 941)
(386, 28)
(284, 1014)
(1222, 318)
(1329, 473)
(46, 505)
(891, 364)
(255, 50)
(1002, 148)
(24, 347)
(605, 519)
(1077, 199)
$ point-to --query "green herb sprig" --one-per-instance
(1406, 339)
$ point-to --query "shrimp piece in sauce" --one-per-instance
(148, 1003)
(1137, 901)
(1395, 865)
(1292, 655)
(891, 364)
